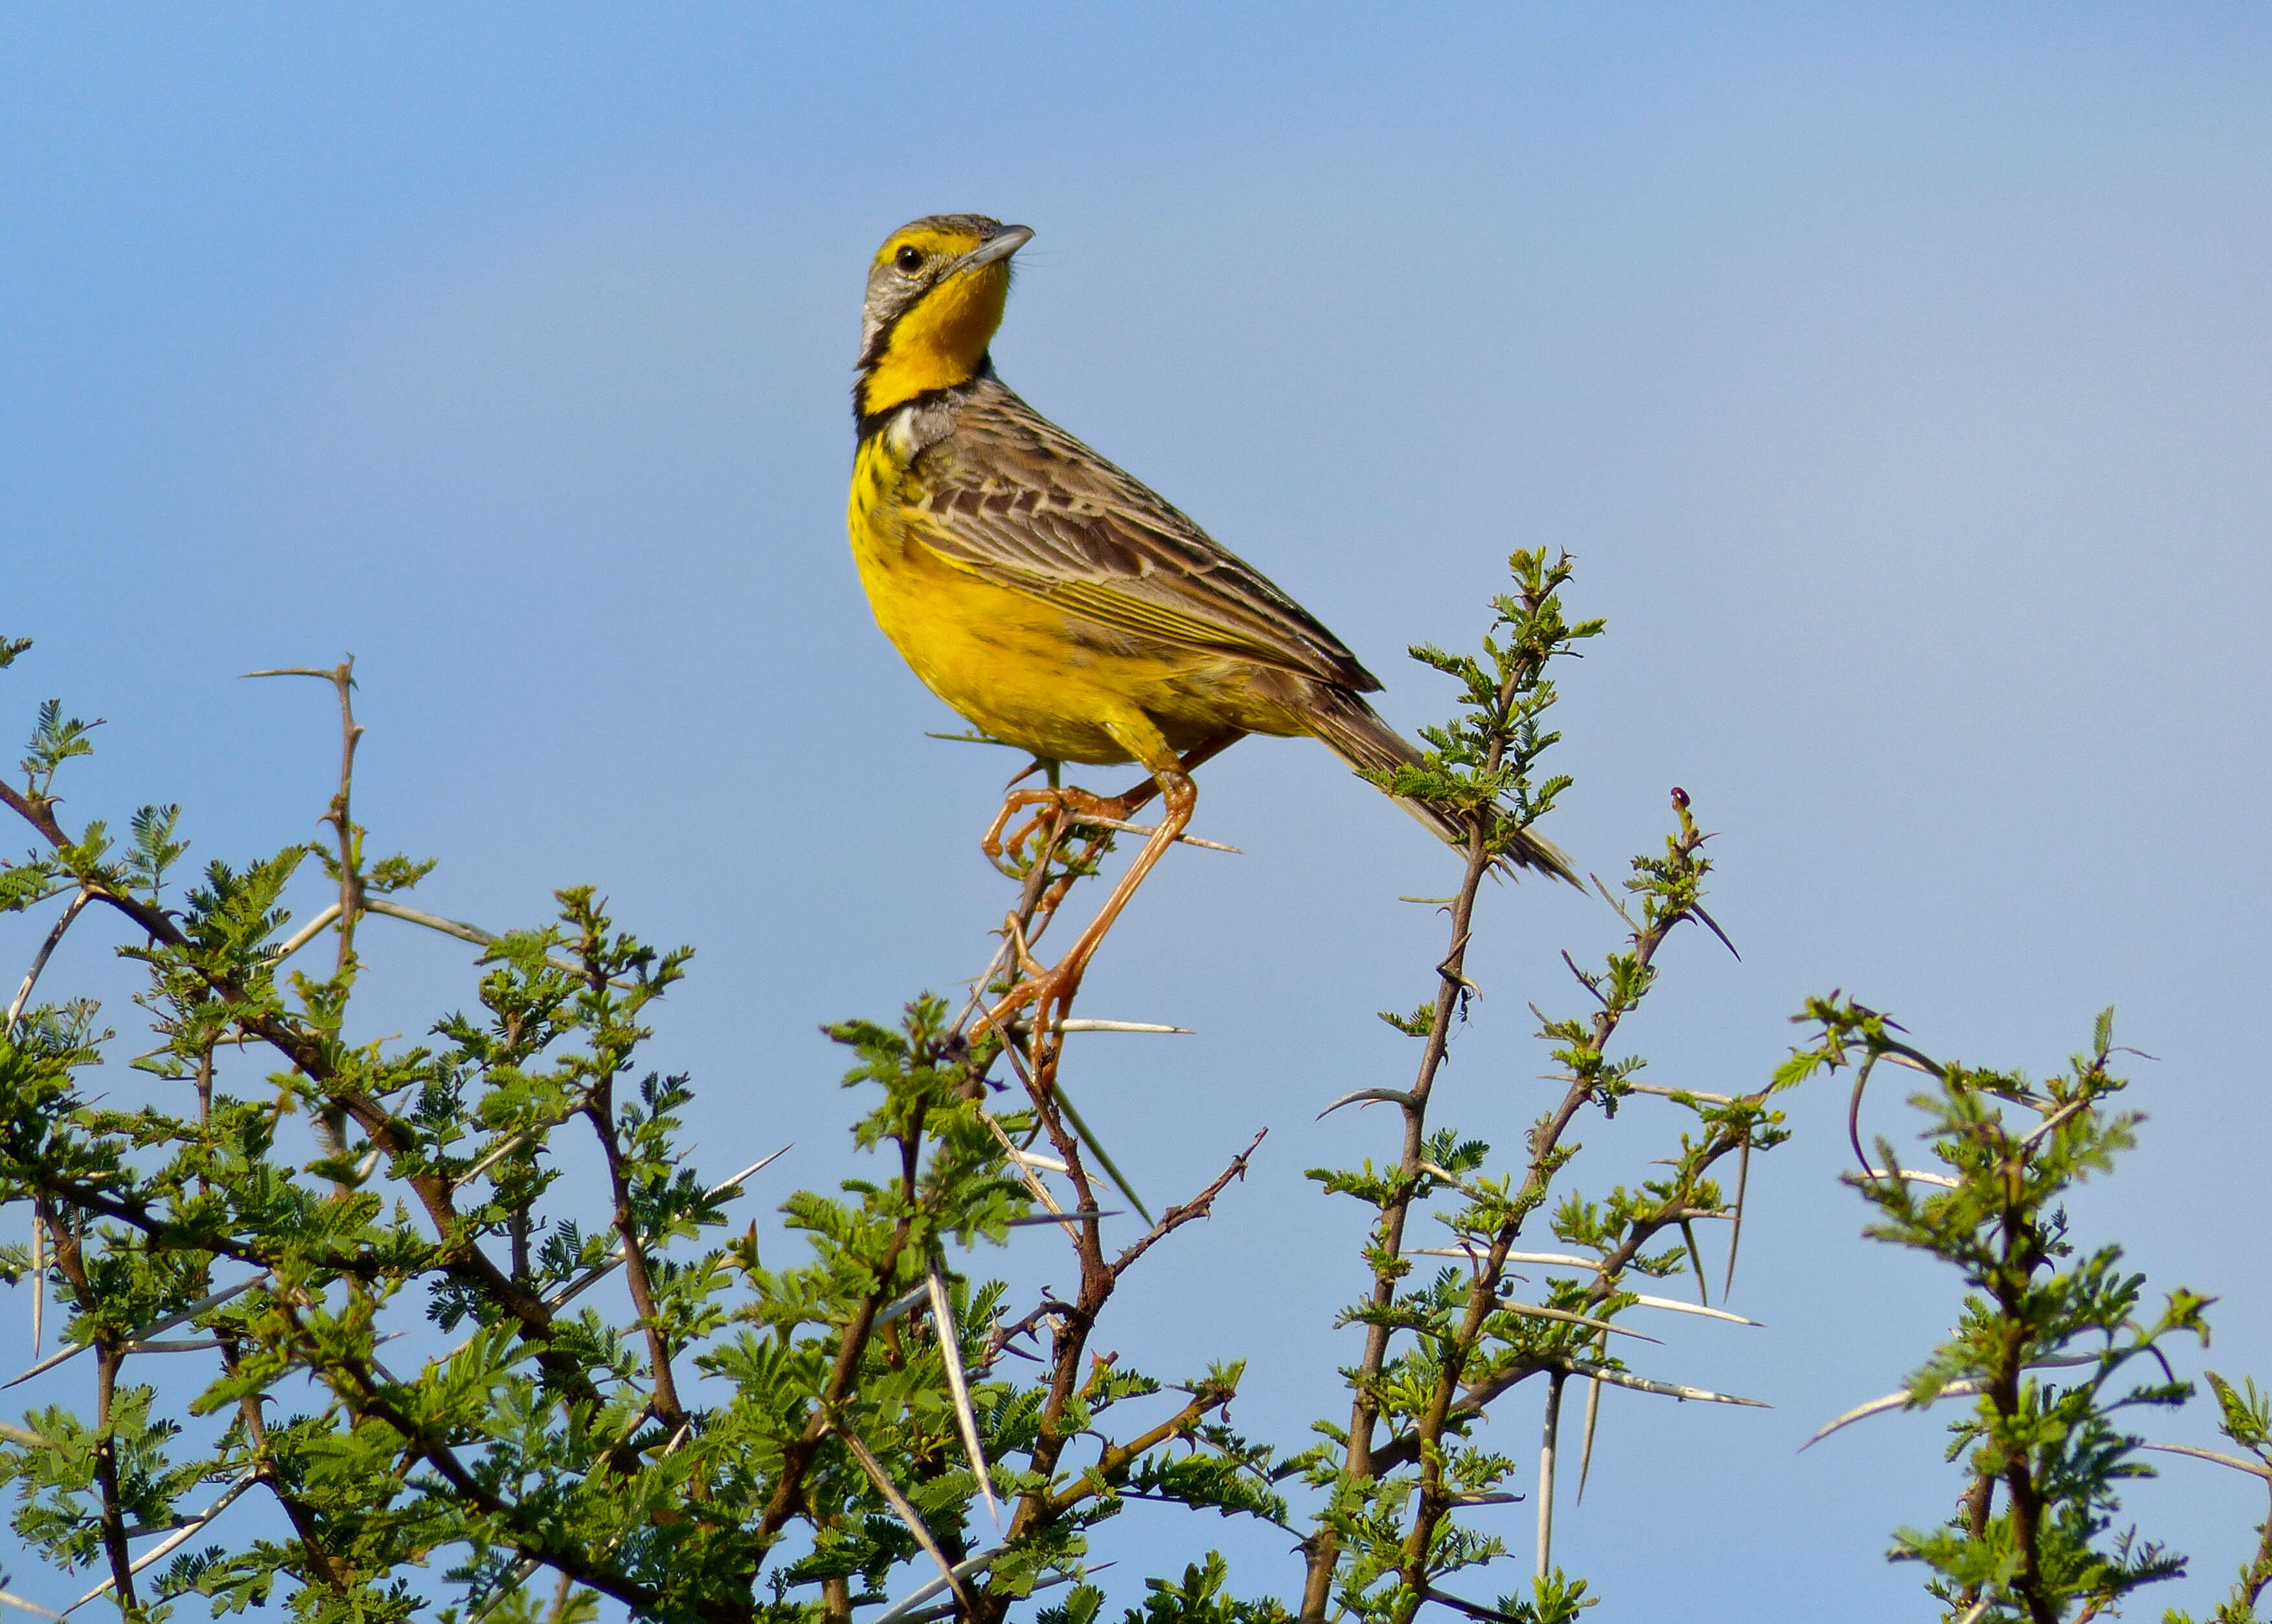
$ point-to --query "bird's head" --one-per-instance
(935, 297)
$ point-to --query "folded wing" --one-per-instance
(1018, 502)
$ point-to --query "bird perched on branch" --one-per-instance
(1055, 601)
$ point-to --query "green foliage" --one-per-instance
(1554, 1598)
(1197, 1598)
(1401, 1481)
(607, 1382)
(2045, 1456)
(1481, 761)
(473, 1388)
(2245, 1416)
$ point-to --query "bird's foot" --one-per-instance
(1048, 989)
(1055, 812)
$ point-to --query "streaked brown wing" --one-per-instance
(1016, 500)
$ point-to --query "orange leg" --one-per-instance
(1136, 797)
(1052, 991)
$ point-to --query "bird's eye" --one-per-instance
(909, 259)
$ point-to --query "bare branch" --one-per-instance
(1199, 1206)
(614, 1261)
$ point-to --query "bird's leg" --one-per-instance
(1056, 811)
(1051, 992)
(1136, 797)
(1181, 796)
(1054, 804)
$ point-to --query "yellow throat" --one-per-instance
(933, 334)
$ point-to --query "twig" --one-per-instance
(1111, 1464)
(351, 906)
(309, 1054)
(1199, 1206)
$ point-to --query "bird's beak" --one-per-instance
(1001, 245)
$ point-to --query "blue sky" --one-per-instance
(1898, 376)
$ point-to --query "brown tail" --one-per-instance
(1348, 728)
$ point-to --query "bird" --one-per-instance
(1059, 603)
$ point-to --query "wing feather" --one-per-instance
(1017, 500)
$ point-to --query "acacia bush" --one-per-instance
(348, 1282)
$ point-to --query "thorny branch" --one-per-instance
(310, 1054)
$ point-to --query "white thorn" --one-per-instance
(1082, 1023)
